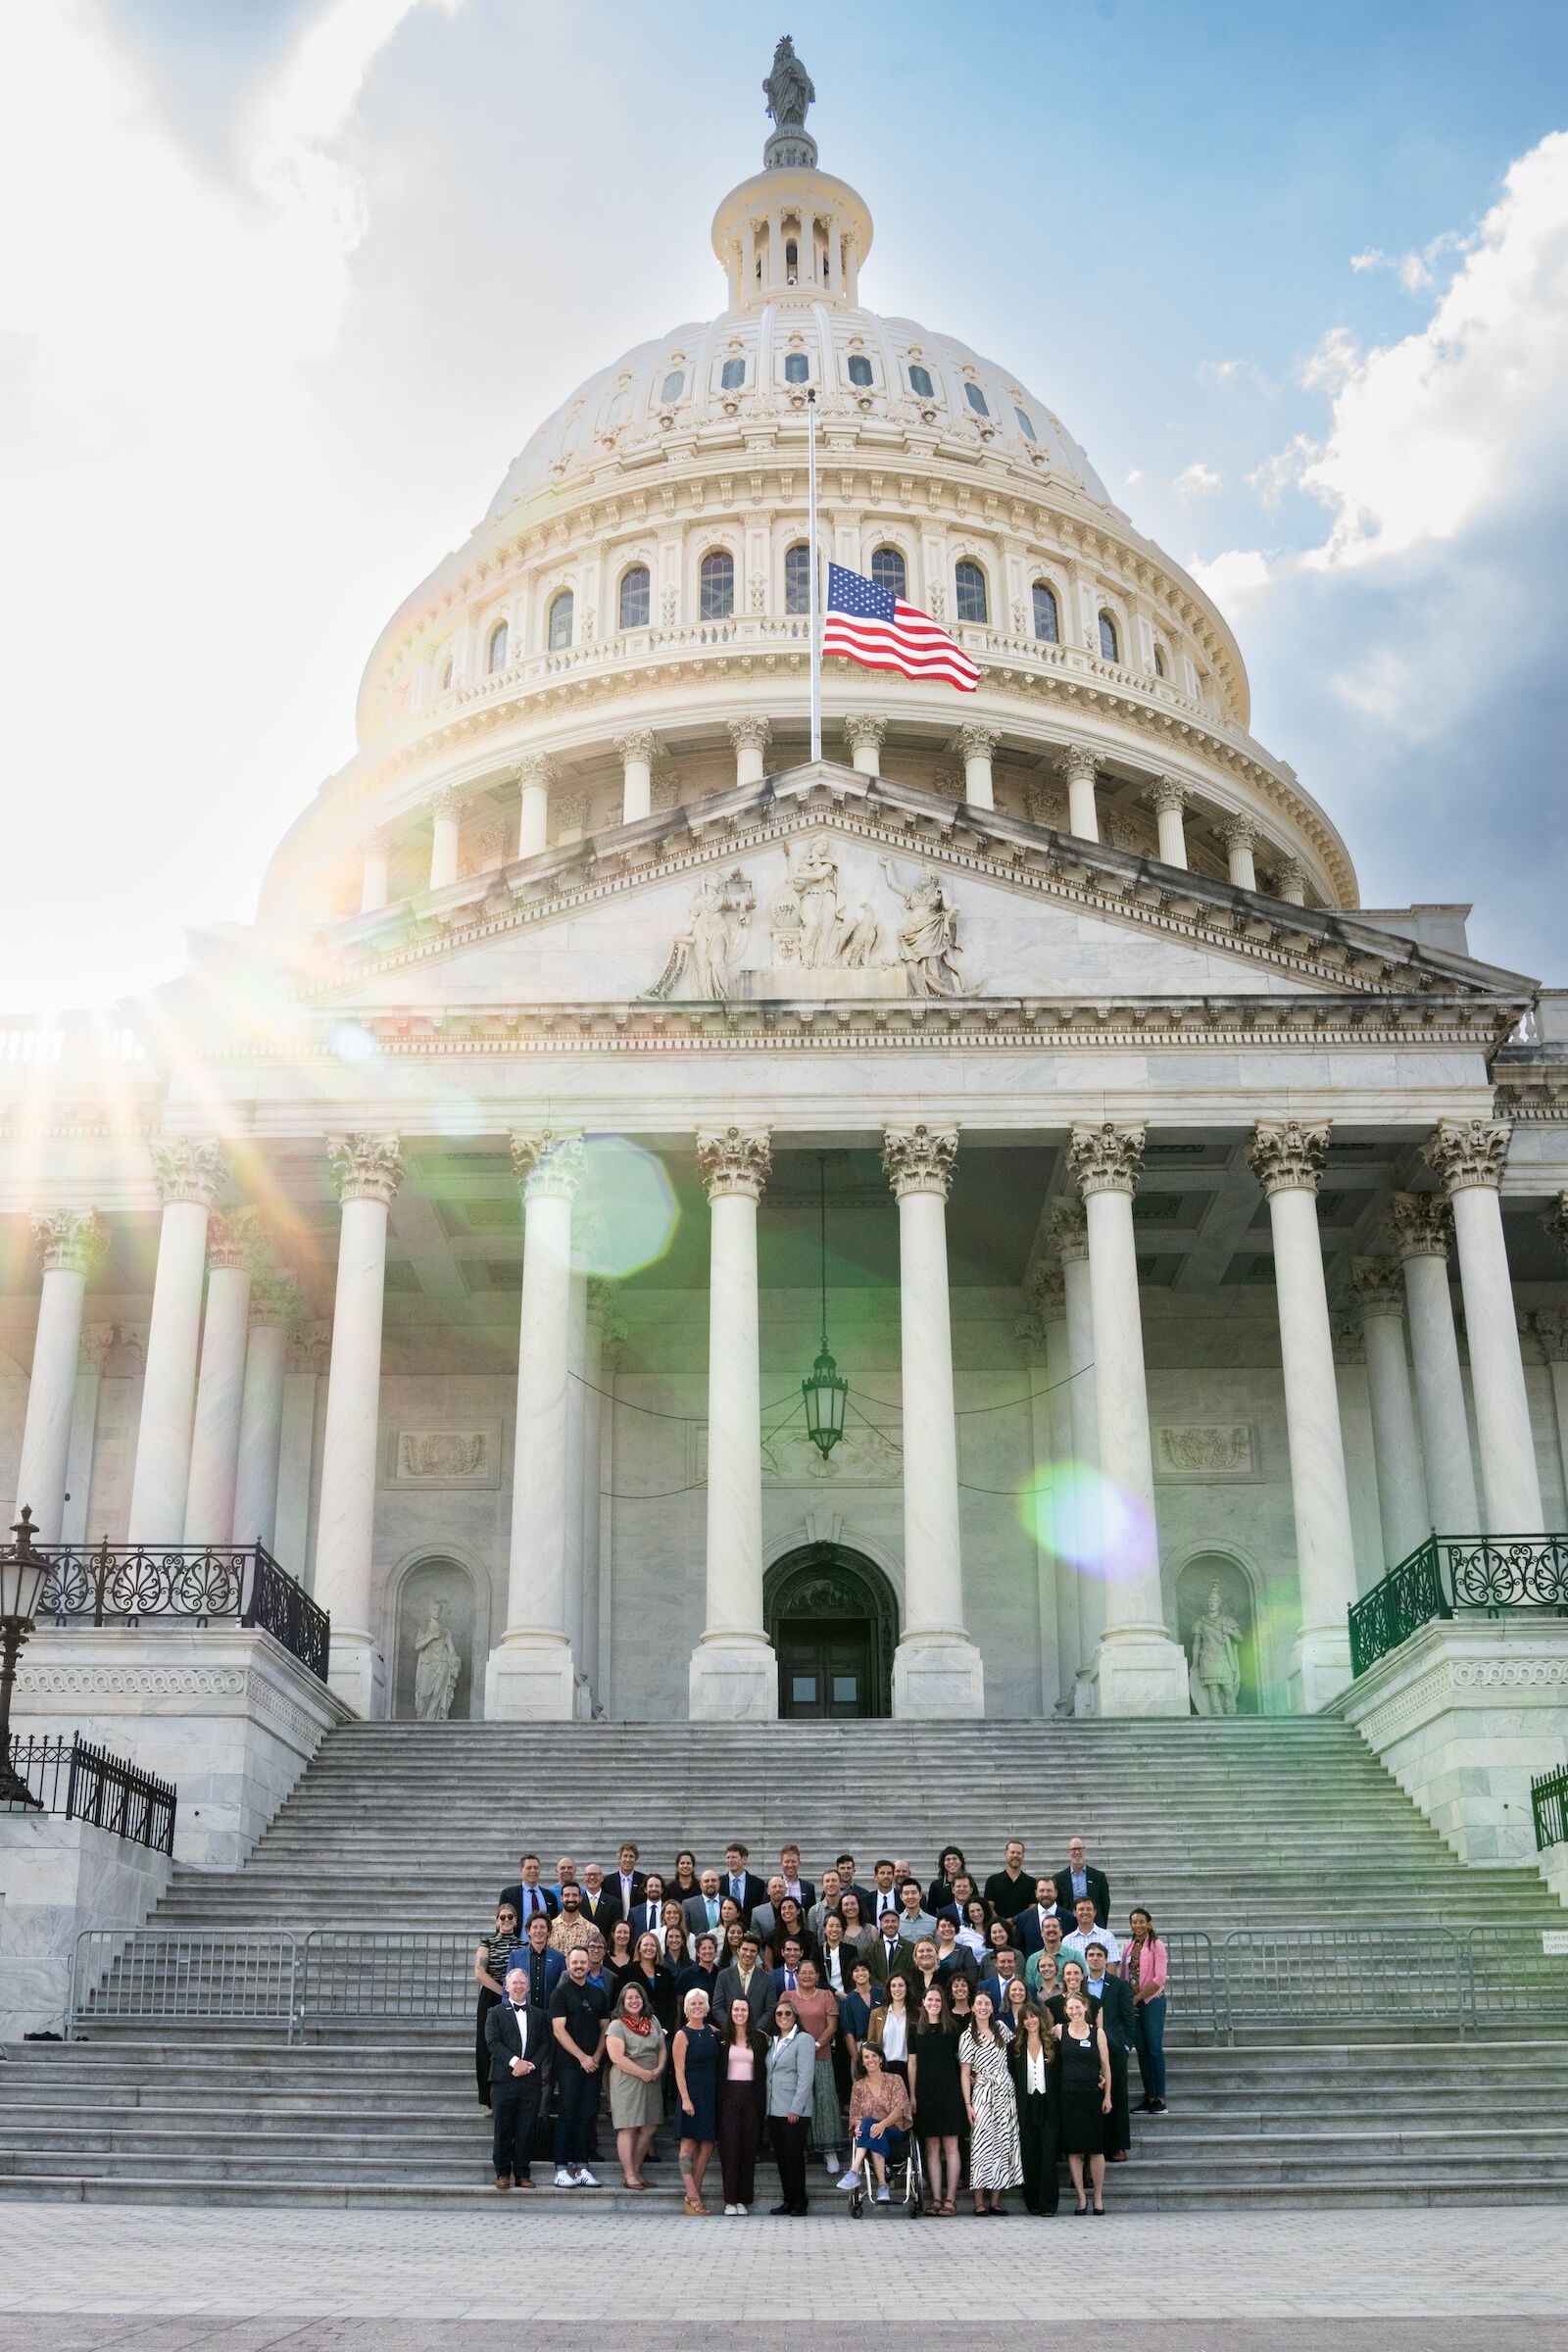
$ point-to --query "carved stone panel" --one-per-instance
(1215, 1452)
(444, 1459)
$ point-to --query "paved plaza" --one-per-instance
(171, 2280)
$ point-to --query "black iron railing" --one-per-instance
(1450, 1576)
(1548, 1803)
(202, 1584)
(81, 1782)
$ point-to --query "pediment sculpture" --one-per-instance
(702, 959)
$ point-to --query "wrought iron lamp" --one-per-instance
(827, 1391)
(22, 1574)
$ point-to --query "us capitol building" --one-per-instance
(1186, 1240)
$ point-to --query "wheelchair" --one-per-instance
(905, 2186)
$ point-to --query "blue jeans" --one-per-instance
(891, 2143)
(1148, 2039)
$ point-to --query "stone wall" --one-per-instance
(56, 1879)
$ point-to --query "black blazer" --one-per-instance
(753, 1891)
(1026, 1928)
(602, 1910)
(1116, 2014)
(639, 1889)
(646, 1918)
(1097, 1885)
(507, 2036)
(514, 1897)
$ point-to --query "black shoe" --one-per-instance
(782, 2209)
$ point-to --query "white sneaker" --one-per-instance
(563, 2179)
(730, 2212)
(830, 2163)
(882, 2197)
(585, 2178)
(849, 2180)
(743, 2211)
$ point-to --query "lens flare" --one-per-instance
(1073, 1511)
(635, 1212)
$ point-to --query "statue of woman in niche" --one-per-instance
(435, 1678)
(1216, 1678)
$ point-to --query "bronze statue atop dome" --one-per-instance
(788, 88)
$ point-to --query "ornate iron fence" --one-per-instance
(106, 1791)
(1548, 1803)
(201, 1583)
(1450, 1575)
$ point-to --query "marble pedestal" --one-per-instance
(356, 1673)
(734, 1679)
(530, 1677)
(58, 1878)
(938, 1675)
(1136, 1671)
(1320, 1668)
(1465, 1715)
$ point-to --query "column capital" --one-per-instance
(1079, 763)
(365, 1168)
(1287, 1156)
(535, 767)
(976, 741)
(864, 731)
(233, 1240)
(1555, 1221)
(750, 734)
(603, 1312)
(547, 1165)
(734, 1160)
(275, 1301)
(1468, 1151)
(185, 1168)
(638, 743)
(1030, 1331)
(379, 841)
(1239, 832)
(1069, 1230)
(1046, 1291)
(70, 1240)
(920, 1159)
(1379, 1288)
(1167, 796)
(1289, 880)
(1419, 1224)
(448, 800)
(1551, 1327)
(1106, 1158)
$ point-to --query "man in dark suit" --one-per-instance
(1116, 2016)
(1010, 1890)
(1028, 1928)
(628, 1885)
(886, 1953)
(534, 1958)
(530, 1895)
(1077, 1876)
(601, 1904)
(702, 1910)
(744, 1884)
(751, 1981)
(647, 1917)
(789, 1870)
(518, 2039)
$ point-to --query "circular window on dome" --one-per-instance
(718, 585)
(859, 370)
(797, 368)
(976, 398)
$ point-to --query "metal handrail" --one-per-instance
(1324, 1975)
(147, 1976)
(1192, 1979)
(403, 1973)
(1517, 1971)
(108, 1792)
(1548, 1807)
(1449, 1576)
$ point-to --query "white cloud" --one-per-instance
(1134, 479)
(1235, 371)
(1196, 480)
(1232, 579)
(1415, 271)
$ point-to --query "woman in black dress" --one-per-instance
(684, 1885)
(491, 1960)
(951, 1866)
(1035, 2071)
(937, 2090)
(1085, 2098)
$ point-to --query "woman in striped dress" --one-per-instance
(995, 2155)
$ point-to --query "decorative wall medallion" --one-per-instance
(1224, 1451)
(444, 1458)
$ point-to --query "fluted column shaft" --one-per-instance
(1469, 1156)
(1420, 1225)
(365, 1171)
(1064, 1502)
(533, 806)
(71, 1247)
(446, 822)
(261, 1434)
(188, 1176)
(637, 775)
(374, 873)
(749, 737)
(1170, 803)
(219, 1388)
(1083, 1516)
(1240, 837)
(1395, 1438)
(1083, 815)
(978, 746)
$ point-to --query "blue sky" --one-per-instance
(301, 277)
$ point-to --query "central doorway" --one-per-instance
(833, 1619)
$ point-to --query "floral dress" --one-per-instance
(995, 2155)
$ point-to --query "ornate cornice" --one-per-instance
(920, 1159)
(1106, 1158)
(185, 1169)
(365, 1168)
(1378, 1287)
(734, 1161)
(548, 1166)
(1287, 1156)
(1468, 1151)
(1419, 1224)
(70, 1241)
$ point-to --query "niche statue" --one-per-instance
(1216, 1659)
(435, 1678)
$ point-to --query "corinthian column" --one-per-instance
(936, 1669)
(978, 746)
(275, 1308)
(1169, 801)
(71, 1247)
(1379, 1290)
(231, 1243)
(533, 806)
(1287, 1158)
(1240, 836)
(1469, 1154)
(1083, 817)
(188, 1176)
(446, 825)
(365, 1172)
(865, 732)
(1082, 1516)
(750, 738)
(1139, 1670)
(636, 750)
(734, 1675)
(1419, 1224)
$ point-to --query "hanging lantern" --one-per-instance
(826, 1393)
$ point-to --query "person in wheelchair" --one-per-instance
(880, 2121)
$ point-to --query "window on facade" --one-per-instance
(798, 579)
(976, 398)
(673, 385)
(497, 648)
(1048, 626)
(446, 676)
(792, 255)
(889, 571)
(969, 582)
(718, 585)
(561, 612)
(617, 411)
(860, 369)
(921, 383)
(797, 368)
(635, 589)
(1025, 425)
(732, 376)
(1159, 662)
(1109, 643)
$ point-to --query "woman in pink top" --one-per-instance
(1144, 1962)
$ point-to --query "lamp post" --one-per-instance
(827, 1391)
(21, 1575)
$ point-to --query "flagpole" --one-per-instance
(816, 588)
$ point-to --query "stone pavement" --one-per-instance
(172, 2279)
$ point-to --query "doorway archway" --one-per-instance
(833, 1620)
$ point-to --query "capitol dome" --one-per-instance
(624, 632)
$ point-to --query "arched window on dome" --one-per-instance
(562, 608)
(797, 368)
(732, 376)
(975, 397)
(1048, 622)
(969, 583)
(1110, 642)
(673, 385)
(636, 593)
(890, 572)
(616, 413)
(792, 262)
(1025, 423)
(1160, 661)
(921, 383)
(496, 660)
(718, 585)
(798, 578)
(446, 676)
(859, 370)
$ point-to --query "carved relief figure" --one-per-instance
(704, 953)
(435, 1680)
(1216, 1659)
(816, 885)
(928, 936)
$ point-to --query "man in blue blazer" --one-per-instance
(1028, 1928)
(543, 1968)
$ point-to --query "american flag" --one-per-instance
(871, 626)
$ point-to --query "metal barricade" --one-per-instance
(1322, 1976)
(1517, 1971)
(406, 1973)
(1193, 1984)
(184, 1975)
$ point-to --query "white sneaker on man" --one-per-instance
(563, 2179)
(585, 2178)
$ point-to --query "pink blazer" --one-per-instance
(1153, 1959)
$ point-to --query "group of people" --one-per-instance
(992, 2022)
